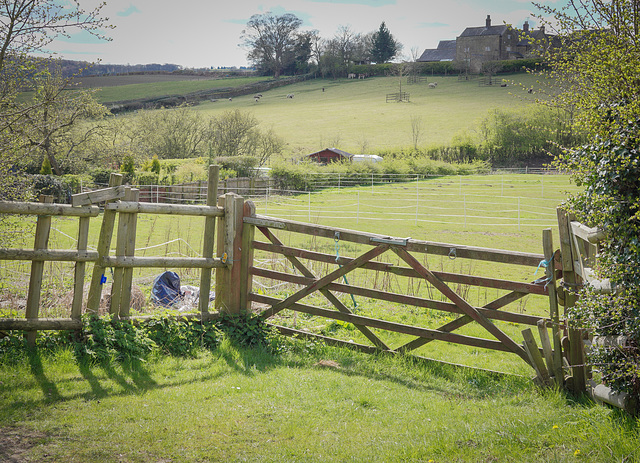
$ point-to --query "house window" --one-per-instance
(508, 48)
(466, 50)
(487, 48)
(509, 36)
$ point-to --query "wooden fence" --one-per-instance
(559, 360)
(124, 201)
(579, 248)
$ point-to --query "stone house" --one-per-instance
(477, 45)
(486, 43)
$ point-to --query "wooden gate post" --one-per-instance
(129, 251)
(118, 273)
(43, 227)
(549, 256)
(229, 248)
(246, 257)
(209, 240)
(578, 384)
(104, 243)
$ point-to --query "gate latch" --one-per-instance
(390, 240)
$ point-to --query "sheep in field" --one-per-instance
(433, 84)
(290, 95)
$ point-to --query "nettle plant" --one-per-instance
(609, 169)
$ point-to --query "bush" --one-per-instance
(74, 182)
(146, 178)
(243, 166)
(609, 169)
(51, 185)
(101, 176)
(291, 176)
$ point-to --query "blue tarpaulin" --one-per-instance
(166, 289)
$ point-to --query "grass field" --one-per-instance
(309, 402)
(353, 114)
(430, 210)
(154, 88)
(238, 405)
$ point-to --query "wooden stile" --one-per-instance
(43, 227)
(98, 196)
(104, 244)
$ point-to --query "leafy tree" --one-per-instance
(384, 47)
(51, 126)
(26, 28)
(596, 72)
(270, 40)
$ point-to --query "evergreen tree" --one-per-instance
(385, 46)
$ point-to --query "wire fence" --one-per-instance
(495, 201)
(513, 197)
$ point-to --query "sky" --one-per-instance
(199, 34)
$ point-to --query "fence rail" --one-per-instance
(235, 245)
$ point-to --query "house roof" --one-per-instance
(333, 150)
(484, 31)
(446, 51)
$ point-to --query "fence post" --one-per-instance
(129, 251)
(229, 246)
(576, 353)
(246, 257)
(209, 240)
(104, 243)
(547, 246)
(121, 241)
(43, 227)
(79, 271)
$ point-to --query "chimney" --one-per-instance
(488, 21)
(542, 29)
(525, 26)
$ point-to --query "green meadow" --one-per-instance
(504, 211)
(153, 89)
(353, 115)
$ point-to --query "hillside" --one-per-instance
(354, 114)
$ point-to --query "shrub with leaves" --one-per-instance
(609, 169)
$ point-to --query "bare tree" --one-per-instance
(270, 39)
(416, 130)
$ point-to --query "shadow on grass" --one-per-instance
(49, 388)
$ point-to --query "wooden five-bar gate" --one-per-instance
(241, 233)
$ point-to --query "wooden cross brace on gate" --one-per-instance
(398, 247)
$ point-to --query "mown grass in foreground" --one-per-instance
(308, 403)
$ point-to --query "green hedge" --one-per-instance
(295, 177)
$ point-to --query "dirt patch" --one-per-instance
(16, 441)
